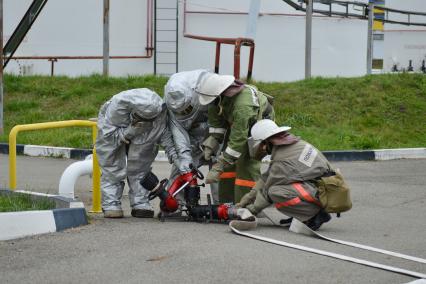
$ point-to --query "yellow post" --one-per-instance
(12, 157)
(96, 207)
(96, 195)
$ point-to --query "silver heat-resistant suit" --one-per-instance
(131, 126)
(188, 121)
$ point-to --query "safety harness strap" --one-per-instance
(226, 175)
(304, 194)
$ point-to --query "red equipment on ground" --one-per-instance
(188, 183)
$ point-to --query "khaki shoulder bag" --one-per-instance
(334, 194)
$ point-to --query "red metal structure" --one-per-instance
(237, 42)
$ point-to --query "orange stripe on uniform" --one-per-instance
(304, 194)
(225, 175)
(243, 182)
(290, 202)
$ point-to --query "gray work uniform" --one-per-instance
(289, 183)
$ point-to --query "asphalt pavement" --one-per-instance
(388, 212)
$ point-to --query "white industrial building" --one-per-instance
(75, 28)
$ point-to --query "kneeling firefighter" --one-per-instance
(130, 127)
(297, 179)
(233, 108)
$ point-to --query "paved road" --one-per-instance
(389, 212)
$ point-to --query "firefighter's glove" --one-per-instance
(186, 177)
(121, 136)
(244, 214)
(218, 168)
(135, 129)
(247, 199)
(260, 203)
(210, 147)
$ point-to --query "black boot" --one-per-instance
(315, 222)
(142, 213)
(286, 222)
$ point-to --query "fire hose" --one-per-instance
(228, 212)
(299, 227)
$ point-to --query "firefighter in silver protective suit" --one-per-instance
(131, 125)
(188, 123)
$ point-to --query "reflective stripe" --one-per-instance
(304, 194)
(217, 130)
(290, 202)
(244, 182)
(232, 152)
(254, 96)
(225, 175)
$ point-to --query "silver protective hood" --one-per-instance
(147, 104)
(144, 102)
(179, 92)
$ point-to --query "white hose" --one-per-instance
(71, 174)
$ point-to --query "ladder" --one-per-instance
(22, 29)
(166, 37)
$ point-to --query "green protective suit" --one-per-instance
(290, 181)
(230, 122)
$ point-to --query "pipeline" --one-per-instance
(71, 174)
(148, 49)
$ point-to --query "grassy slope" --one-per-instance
(385, 111)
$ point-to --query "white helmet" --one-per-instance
(265, 128)
(212, 85)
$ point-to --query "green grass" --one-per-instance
(24, 202)
(371, 112)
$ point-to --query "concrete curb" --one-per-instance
(28, 223)
(351, 155)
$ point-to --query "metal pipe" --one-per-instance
(217, 58)
(251, 58)
(52, 66)
(96, 175)
(325, 14)
(106, 38)
(245, 13)
(237, 52)
(1, 67)
(177, 37)
(84, 57)
(96, 206)
(155, 37)
(148, 49)
(370, 36)
(70, 176)
(237, 42)
(308, 38)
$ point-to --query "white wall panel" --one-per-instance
(75, 28)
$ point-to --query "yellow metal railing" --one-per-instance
(96, 202)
